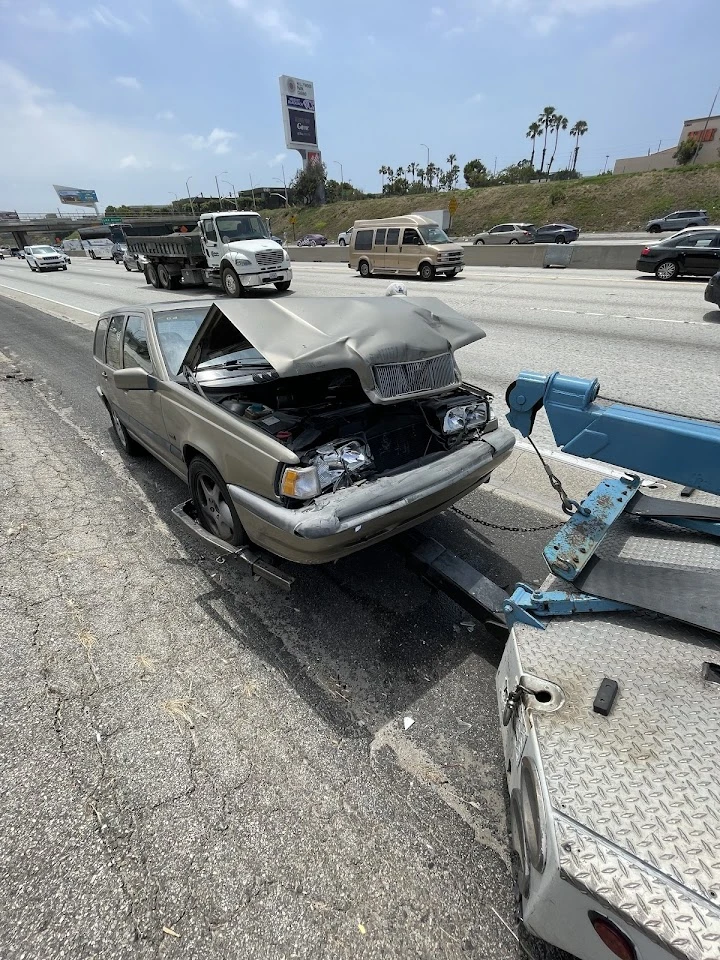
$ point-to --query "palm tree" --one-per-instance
(430, 172)
(559, 122)
(421, 175)
(545, 120)
(577, 131)
(534, 131)
(399, 173)
(411, 168)
(451, 160)
(382, 171)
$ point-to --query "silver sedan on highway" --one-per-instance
(507, 233)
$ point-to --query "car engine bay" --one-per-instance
(340, 436)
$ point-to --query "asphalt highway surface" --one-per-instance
(197, 764)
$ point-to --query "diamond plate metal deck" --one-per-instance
(636, 795)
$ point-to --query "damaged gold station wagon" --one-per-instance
(311, 427)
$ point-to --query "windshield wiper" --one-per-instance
(234, 365)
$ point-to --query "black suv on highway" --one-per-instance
(695, 252)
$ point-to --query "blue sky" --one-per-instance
(133, 98)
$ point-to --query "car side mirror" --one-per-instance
(133, 378)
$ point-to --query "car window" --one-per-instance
(175, 330)
(411, 237)
(363, 240)
(209, 228)
(100, 331)
(697, 240)
(380, 238)
(113, 346)
(136, 352)
(393, 235)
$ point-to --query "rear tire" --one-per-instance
(514, 242)
(127, 268)
(130, 446)
(231, 283)
(282, 285)
(165, 278)
(560, 239)
(342, 242)
(427, 271)
(92, 254)
(667, 270)
(151, 275)
(364, 268)
(213, 503)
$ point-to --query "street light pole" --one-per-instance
(252, 190)
(342, 178)
(217, 186)
(428, 157)
(187, 187)
(284, 187)
(232, 186)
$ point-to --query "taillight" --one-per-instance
(613, 938)
(527, 234)
(645, 251)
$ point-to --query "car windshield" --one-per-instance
(43, 250)
(433, 234)
(241, 228)
(177, 328)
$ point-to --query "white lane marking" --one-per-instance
(93, 313)
(613, 316)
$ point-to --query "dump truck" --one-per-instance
(232, 250)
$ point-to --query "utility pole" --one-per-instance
(187, 187)
(217, 186)
(234, 192)
(707, 121)
(607, 157)
(252, 190)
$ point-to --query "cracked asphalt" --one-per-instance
(193, 764)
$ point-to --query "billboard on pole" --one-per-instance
(75, 196)
(297, 99)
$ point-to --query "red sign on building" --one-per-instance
(703, 136)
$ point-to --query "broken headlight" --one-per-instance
(467, 416)
(342, 461)
(300, 483)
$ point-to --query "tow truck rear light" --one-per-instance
(645, 251)
(613, 938)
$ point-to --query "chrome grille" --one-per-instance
(269, 258)
(401, 379)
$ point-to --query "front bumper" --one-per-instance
(282, 274)
(444, 267)
(337, 524)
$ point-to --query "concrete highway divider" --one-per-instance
(585, 257)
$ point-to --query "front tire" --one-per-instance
(667, 270)
(231, 283)
(480, 242)
(427, 271)
(364, 268)
(342, 242)
(127, 268)
(92, 255)
(282, 285)
(654, 229)
(213, 503)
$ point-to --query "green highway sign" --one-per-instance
(112, 219)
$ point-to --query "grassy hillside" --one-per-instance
(619, 202)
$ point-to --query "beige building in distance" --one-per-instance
(709, 137)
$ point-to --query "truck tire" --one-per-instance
(152, 275)
(282, 285)
(167, 280)
(231, 283)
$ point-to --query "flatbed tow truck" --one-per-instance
(609, 686)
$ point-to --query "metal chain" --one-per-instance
(501, 526)
(569, 506)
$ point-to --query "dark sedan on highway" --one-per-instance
(556, 233)
(693, 252)
(312, 427)
(312, 240)
(712, 290)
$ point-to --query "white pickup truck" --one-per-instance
(232, 250)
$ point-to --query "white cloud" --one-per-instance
(165, 115)
(476, 98)
(46, 18)
(106, 18)
(277, 22)
(437, 11)
(218, 140)
(277, 160)
(545, 15)
(132, 162)
(132, 83)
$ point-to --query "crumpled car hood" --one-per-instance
(303, 335)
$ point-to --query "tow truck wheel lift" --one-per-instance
(609, 686)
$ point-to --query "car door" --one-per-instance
(141, 410)
(392, 249)
(411, 245)
(379, 252)
(499, 234)
(700, 253)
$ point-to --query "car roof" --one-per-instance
(205, 302)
